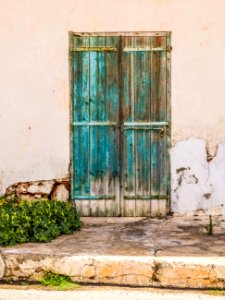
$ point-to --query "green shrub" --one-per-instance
(37, 221)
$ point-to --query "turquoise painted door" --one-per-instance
(120, 164)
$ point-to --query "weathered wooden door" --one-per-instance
(120, 136)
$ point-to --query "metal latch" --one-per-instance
(162, 131)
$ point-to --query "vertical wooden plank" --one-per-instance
(112, 207)
(155, 137)
(159, 103)
(81, 134)
(163, 141)
(168, 117)
(71, 116)
(158, 113)
(97, 133)
(128, 98)
(158, 208)
(163, 116)
(142, 114)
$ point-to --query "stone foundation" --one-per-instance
(50, 189)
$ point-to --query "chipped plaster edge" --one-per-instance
(197, 182)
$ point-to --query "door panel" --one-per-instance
(81, 183)
(121, 133)
(95, 127)
(145, 142)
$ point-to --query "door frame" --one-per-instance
(167, 34)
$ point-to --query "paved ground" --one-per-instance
(173, 252)
(180, 236)
(105, 294)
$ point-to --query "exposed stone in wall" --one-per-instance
(51, 189)
(60, 191)
(198, 184)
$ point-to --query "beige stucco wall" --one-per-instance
(34, 75)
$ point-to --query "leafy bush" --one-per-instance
(37, 221)
(58, 281)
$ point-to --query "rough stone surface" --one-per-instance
(60, 192)
(173, 252)
(197, 185)
(43, 188)
(120, 270)
(89, 269)
(189, 272)
(51, 189)
(2, 268)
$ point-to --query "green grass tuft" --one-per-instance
(216, 292)
(58, 281)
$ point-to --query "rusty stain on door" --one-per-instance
(121, 123)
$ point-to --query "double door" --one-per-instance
(121, 129)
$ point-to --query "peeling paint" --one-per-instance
(182, 169)
(196, 179)
(207, 195)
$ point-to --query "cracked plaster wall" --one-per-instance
(198, 185)
(35, 88)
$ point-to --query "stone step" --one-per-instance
(146, 271)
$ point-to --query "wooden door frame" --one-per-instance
(166, 34)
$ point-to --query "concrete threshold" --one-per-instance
(125, 254)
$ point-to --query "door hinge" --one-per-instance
(93, 49)
(150, 49)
